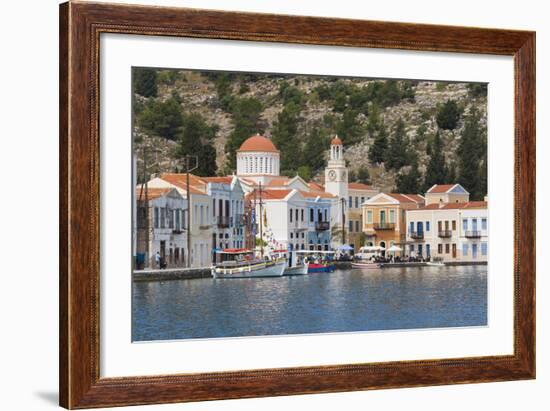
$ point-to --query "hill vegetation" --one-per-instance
(399, 135)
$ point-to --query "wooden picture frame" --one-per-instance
(80, 27)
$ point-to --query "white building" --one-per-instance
(450, 226)
(258, 160)
(160, 228)
(201, 220)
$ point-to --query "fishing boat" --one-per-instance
(365, 265)
(242, 263)
(318, 261)
(436, 262)
(296, 265)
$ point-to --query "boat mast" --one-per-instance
(261, 227)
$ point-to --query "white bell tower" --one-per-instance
(336, 183)
(336, 173)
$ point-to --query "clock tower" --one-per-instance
(336, 183)
(336, 173)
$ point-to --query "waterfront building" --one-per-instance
(258, 166)
(384, 219)
(451, 227)
(358, 193)
(200, 229)
(160, 227)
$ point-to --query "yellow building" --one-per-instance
(384, 219)
(358, 193)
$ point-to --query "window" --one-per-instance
(411, 226)
(369, 216)
(296, 214)
(291, 235)
(357, 226)
(350, 202)
(303, 235)
(326, 216)
(464, 249)
(220, 208)
(290, 215)
(454, 225)
(162, 217)
(428, 250)
(483, 227)
(392, 216)
(362, 200)
(447, 248)
(483, 248)
(350, 226)
(178, 216)
(202, 216)
(464, 224)
(356, 202)
(311, 217)
(439, 226)
(427, 228)
(170, 214)
(302, 214)
(440, 248)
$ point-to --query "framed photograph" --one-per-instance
(260, 205)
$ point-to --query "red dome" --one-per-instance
(258, 143)
(336, 141)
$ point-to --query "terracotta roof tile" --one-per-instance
(440, 188)
(360, 186)
(152, 193)
(456, 206)
(315, 194)
(180, 180)
(258, 143)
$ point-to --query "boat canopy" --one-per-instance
(314, 252)
(370, 248)
(234, 251)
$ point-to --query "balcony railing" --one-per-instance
(322, 225)
(472, 234)
(384, 226)
(417, 235)
(223, 221)
(178, 230)
(445, 233)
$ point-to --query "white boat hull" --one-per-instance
(365, 266)
(251, 271)
(296, 270)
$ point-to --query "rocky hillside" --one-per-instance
(294, 108)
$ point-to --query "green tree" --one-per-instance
(196, 138)
(316, 144)
(163, 119)
(476, 90)
(348, 128)
(363, 175)
(285, 138)
(145, 82)
(472, 157)
(409, 182)
(436, 170)
(379, 148)
(397, 154)
(304, 172)
(245, 118)
(448, 115)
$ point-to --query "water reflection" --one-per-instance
(346, 300)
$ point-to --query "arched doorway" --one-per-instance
(383, 245)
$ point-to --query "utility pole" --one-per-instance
(261, 227)
(188, 169)
(343, 221)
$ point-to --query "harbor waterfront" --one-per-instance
(346, 300)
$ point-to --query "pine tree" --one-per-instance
(378, 149)
(285, 138)
(397, 154)
(196, 138)
(472, 157)
(409, 182)
(448, 115)
(145, 82)
(245, 117)
(163, 119)
(436, 170)
(316, 144)
(363, 175)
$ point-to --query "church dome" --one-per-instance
(336, 141)
(258, 143)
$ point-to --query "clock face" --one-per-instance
(332, 175)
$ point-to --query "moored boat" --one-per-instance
(365, 265)
(318, 261)
(241, 263)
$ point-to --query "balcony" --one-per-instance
(322, 226)
(239, 220)
(472, 234)
(178, 230)
(384, 226)
(445, 234)
(223, 221)
(417, 235)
